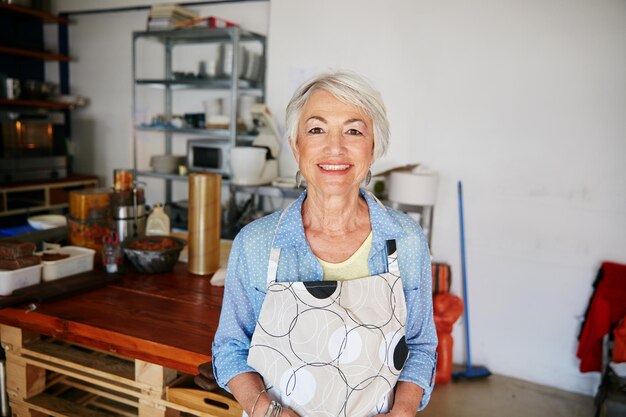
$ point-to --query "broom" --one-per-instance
(470, 372)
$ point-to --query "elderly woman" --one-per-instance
(327, 307)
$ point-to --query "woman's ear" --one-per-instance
(294, 149)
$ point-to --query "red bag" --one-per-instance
(619, 342)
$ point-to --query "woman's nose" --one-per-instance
(335, 142)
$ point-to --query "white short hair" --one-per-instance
(347, 87)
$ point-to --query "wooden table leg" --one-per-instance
(23, 380)
(157, 377)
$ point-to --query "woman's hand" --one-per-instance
(393, 413)
(288, 412)
(407, 399)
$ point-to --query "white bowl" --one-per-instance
(47, 221)
(247, 162)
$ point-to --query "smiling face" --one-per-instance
(335, 144)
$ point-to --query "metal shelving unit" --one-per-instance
(214, 133)
(209, 84)
(169, 39)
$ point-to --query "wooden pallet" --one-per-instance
(49, 377)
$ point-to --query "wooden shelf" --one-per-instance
(36, 196)
(51, 182)
(49, 405)
(44, 56)
(50, 105)
(46, 17)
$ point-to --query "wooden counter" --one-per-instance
(158, 327)
(165, 319)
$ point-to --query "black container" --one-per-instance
(195, 120)
(153, 261)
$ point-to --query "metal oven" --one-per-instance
(32, 146)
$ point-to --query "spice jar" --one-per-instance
(112, 257)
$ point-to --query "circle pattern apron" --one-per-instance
(332, 348)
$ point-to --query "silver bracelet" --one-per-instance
(279, 410)
(275, 409)
(256, 400)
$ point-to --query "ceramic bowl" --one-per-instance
(153, 254)
(247, 162)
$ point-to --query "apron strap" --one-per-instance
(272, 267)
(392, 257)
(376, 199)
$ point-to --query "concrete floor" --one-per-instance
(499, 396)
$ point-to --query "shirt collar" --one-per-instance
(290, 230)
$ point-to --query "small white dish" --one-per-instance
(80, 260)
(47, 221)
(19, 278)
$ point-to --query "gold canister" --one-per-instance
(90, 203)
(204, 223)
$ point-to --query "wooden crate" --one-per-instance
(184, 392)
(49, 377)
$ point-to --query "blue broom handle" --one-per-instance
(463, 272)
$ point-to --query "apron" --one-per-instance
(332, 348)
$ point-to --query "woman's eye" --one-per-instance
(353, 132)
(316, 130)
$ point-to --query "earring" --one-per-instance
(368, 178)
(298, 179)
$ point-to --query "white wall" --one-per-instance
(524, 102)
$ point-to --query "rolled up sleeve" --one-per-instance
(237, 320)
(421, 335)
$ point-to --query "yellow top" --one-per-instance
(356, 266)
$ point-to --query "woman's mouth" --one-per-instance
(334, 167)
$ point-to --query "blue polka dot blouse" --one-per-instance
(246, 284)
